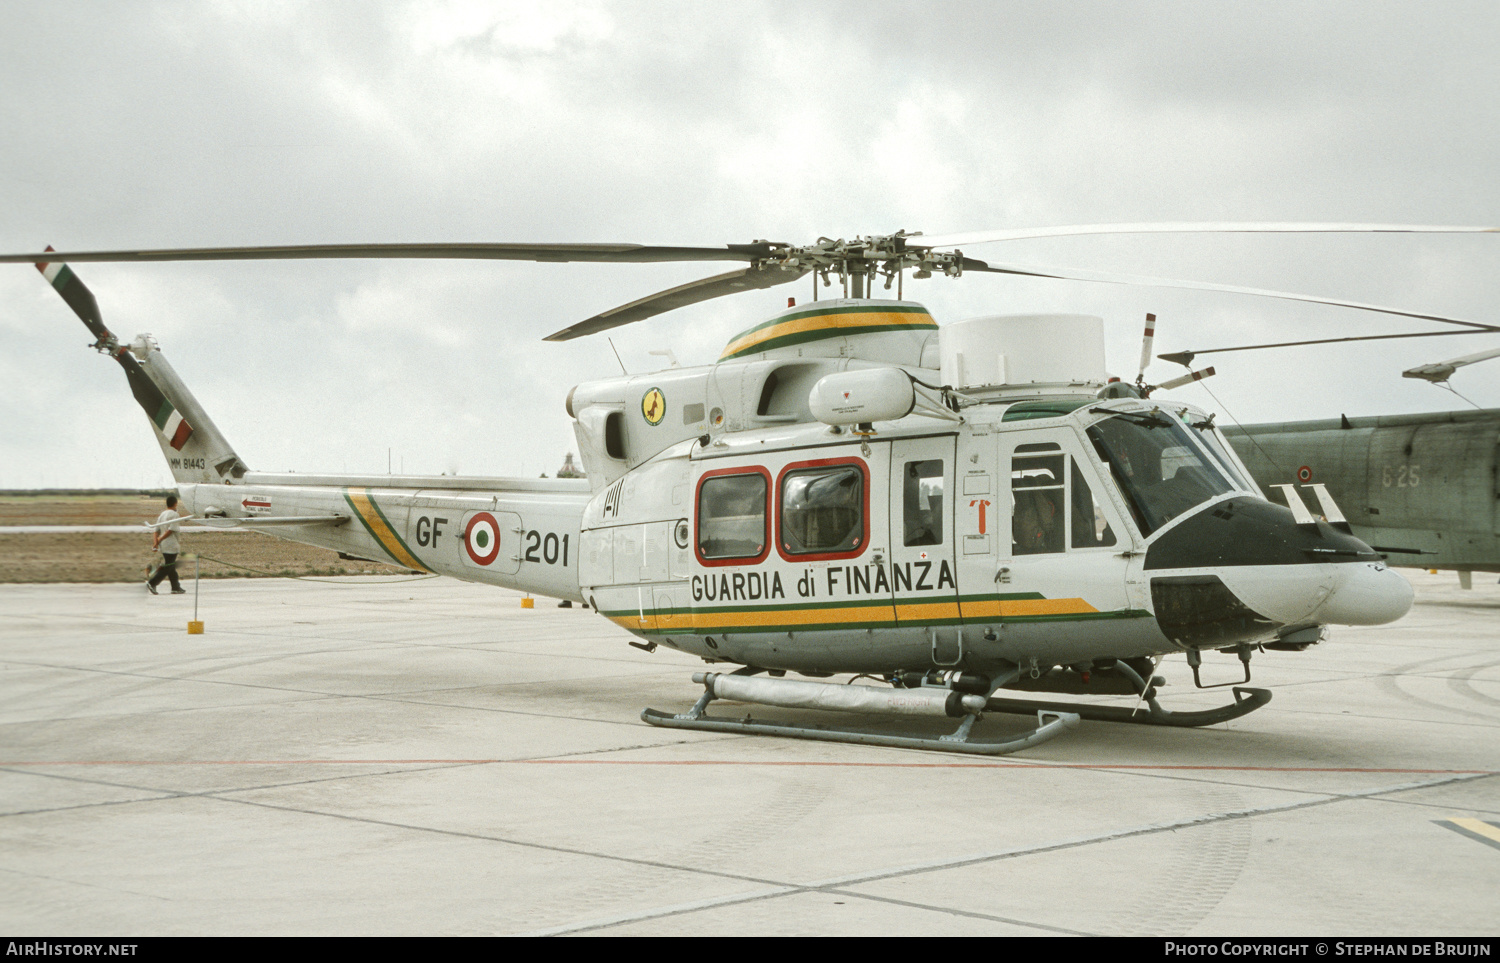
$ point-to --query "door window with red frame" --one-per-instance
(732, 516)
(822, 510)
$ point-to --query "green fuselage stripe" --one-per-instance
(630, 619)
(390, 539)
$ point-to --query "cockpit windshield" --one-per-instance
(1218, 448)
(1157, 466)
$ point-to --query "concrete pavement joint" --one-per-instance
(1193, 821)
(168, 794)
(79, 882)
(838, 884)
(504, 840)
(314, 693)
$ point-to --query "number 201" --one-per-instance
(548, 547)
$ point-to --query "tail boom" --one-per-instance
(516, 533)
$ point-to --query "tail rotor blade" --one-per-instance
(1146, 345)
(79, 297)
(1188, 378)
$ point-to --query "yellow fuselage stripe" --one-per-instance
(382, 531)
(1013, 608)
(821, 322)
(700, 620)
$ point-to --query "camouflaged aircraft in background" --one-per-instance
(1422, 489)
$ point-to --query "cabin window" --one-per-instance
(732, 511)
(1158, 469)
(922, 502)
(823, 510)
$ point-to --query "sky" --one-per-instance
(141, 124)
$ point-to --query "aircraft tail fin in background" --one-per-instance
(194, 448)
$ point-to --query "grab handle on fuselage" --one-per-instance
(1330, 508)
(1294, 502)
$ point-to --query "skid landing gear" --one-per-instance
(792, 694)
(1053, 718)
(1246, 700)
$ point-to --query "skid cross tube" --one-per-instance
(1246, 700)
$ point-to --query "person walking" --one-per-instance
(166, 543)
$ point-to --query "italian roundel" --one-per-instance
(482, 538)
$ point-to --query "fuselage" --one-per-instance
(1035, 533)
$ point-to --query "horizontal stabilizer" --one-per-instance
(271, 521)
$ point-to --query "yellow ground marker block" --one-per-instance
(195, 628)
(1478, 828)
(528, 603)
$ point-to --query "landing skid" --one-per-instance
(1050, 724)
(1246, 700)
(854, 698)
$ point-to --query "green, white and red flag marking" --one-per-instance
(163, 414)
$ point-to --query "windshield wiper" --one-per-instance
(1152, 419)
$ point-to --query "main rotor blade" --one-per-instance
(615, 253)
(1441, 371)
(1186, 357)
(1184, 227)
(734, 282)
(1070, 274)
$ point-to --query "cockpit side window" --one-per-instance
(1090, 527)
(732, 513)
(1053, 506)
(1037, 518)
(1159, 470)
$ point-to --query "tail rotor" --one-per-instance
(194, 448)
(1184, 358)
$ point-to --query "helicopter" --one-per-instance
(950, 513)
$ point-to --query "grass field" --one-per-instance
(123, 557)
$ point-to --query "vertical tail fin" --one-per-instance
(194, 448)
